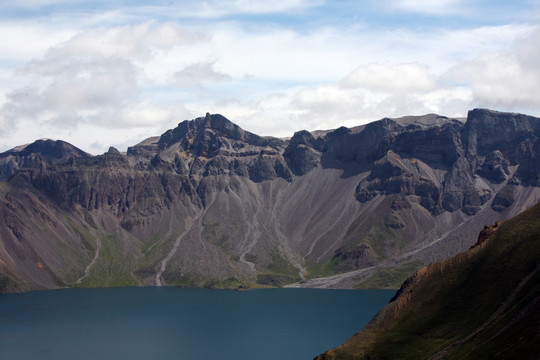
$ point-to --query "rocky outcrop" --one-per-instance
(486, 233)
(208, 201)
(394, 175)
(303, 152)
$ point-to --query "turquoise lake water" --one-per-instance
(173, 323)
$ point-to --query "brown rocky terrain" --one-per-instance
(210, 204)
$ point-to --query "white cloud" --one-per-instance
(391, 78)
(181, 9)
(125, 41)
(72, 88)
(22, 41)
(282, 54)
(94, 77)
(258, 6)
(439, 7)
(33, 4)
(220, 9)
(370, 92)
(506, 79)
(125, 70)
(198, 74)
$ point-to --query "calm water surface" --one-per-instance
(191, 324)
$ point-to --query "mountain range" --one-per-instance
(210, 204)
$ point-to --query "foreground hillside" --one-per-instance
(481, 304)
(210, 204)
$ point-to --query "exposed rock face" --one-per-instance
(215, 146)
(208, 203)
(303, 152)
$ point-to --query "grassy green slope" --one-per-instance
(481, 304)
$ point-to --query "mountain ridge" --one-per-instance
(210, 204)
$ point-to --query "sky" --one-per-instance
(113, 73)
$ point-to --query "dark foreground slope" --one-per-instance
(210, 204)
(481, 304)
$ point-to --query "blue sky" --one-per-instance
(102, 73)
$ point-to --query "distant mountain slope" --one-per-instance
(210, 204)
(481, 304)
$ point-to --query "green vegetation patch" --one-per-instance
(230, 283)
(327, 268)
(276, 280)
(382, 232)
(280, 265)
(176, 277)
(112, 268)
(84, 234)
(280, 272)
(155, 247)
(380, 236)
(222, 234)
(347, 258)
(390, 278)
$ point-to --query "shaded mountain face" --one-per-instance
(480, 304)
(36, 155)
(210, 204)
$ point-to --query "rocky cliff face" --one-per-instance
(210, 204)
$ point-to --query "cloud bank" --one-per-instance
(112, 74)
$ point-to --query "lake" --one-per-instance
(174, 323)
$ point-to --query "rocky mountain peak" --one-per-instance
(39, 154)
(208, 129)
(213, 145)
(224, 126)
(113, 151)
(51, 149)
